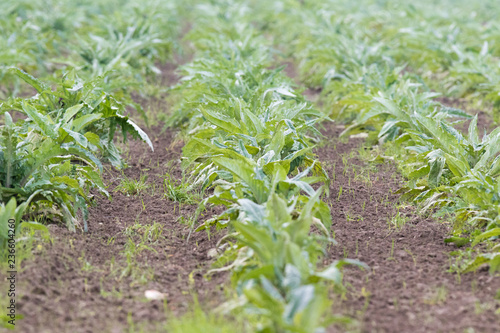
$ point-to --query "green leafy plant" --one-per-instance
(79, 108)
(250, 139)
(54, 152)
(11, 224)
(38, 166)
(379, 81)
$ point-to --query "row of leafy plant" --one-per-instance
(121, 39)
(51, 156)
(90, 56)
(248, 141)
(359, 62)
(452, 45)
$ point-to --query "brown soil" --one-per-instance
(407, 288)
(78, 284)
(75, 285)
(485, 122)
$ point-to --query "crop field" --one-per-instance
(298, 166)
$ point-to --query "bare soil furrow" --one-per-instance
(408, 287)
(95, 281)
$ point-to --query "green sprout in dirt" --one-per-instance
(397, 220)
(137, 271)
(199, 321)
(130, 186)
(437, 296)
(149, 233)
(180, 191)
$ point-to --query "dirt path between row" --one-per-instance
(407, 288)
(96, 282)
(80, 283)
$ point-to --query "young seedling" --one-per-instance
(412, 256)
(86, 265)
(437, 297)
(398, 221)
(182, 193)
(391, 256)
(129, 186)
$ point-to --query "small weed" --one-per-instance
(182, 192)
(398, 220)
(149, 233)
(137, 272)
(197, 320)
(86, 266)
(353, 217)
(480, 307)
(459, 260)
(113, 293)
(367, 296)
(391, 256)
(412, 256)
(129, 186)
(437, 297)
